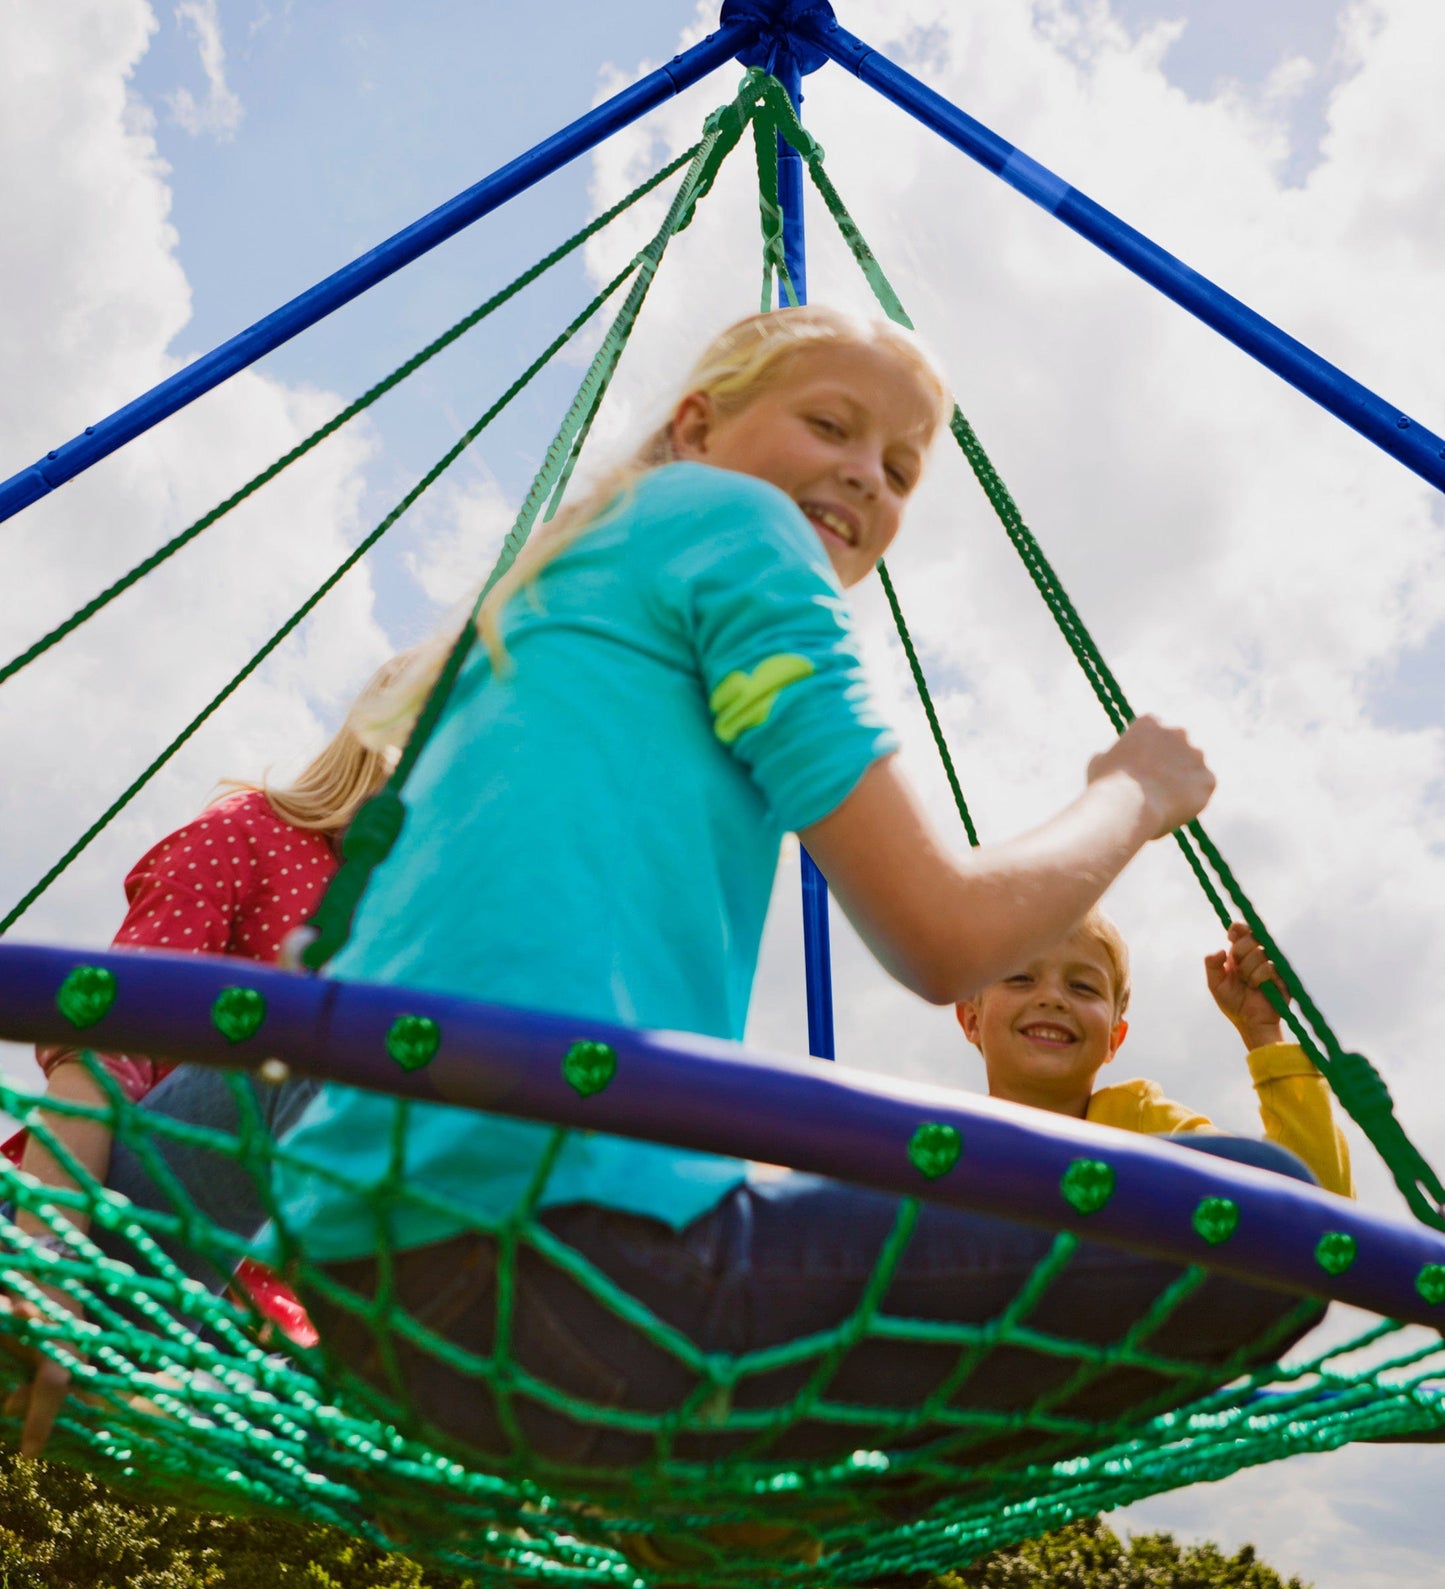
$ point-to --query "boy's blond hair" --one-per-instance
(1104, 931)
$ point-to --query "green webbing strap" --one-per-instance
(765, 134)
(437, 469)
(1355, 1082)
(770, 211)
(371, 835)
(362, 403)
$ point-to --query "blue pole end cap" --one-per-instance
(783, 26)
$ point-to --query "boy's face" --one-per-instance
(1045, 1031)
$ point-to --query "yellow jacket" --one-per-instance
(1294, 1104)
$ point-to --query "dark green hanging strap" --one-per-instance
(770, 209)
(766, 130)
(374, 831)
(352, 558)
(1356, 1083)
(398, 375)
(921, 684)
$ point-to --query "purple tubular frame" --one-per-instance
(699, 1093)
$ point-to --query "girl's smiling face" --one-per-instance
(843, 430)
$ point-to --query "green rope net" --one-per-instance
(181, 1397)
(767, 1462)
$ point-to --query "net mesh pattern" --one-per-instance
(181, 1395)
(185, 1394)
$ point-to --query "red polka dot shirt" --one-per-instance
(233, 882)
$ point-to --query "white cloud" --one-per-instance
(219, 113)
(103, 298)
(1250, 568)
(464, 526)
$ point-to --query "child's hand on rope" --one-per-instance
(1170, 771)
(1237, 977)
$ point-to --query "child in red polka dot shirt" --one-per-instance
(235, 881)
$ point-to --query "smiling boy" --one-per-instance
(1046, 1031)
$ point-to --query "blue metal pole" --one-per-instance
(1396, 433)
(817, 949)
(790, 186)
(101, 439)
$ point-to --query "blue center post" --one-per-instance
(780, 51)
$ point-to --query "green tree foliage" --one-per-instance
(60, 1529)
(1089, 1555)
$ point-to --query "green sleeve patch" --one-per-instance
(745, 700)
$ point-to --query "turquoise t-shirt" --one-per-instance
(594, 831)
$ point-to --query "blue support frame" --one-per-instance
(101, 439)
(1381, 422)
(790, 38)
(817, 938)
(778, 47)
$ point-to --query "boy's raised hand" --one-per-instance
(1237, 977)
(1171, 772)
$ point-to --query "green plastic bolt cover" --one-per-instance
(238, 1013)
(1216, 1219)
(589, 1066)
(413, 1040)
(1087, 1185)
(1430, 1282)
(86, 995)
(934, 1149)
(1335, 1252)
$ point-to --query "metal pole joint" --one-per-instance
(784, 40)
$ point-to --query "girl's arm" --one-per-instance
(173, 905)
(946, 925)
(38, 1401)
(88, 1141)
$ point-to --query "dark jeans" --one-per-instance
(220, 1188)
(781, 1260)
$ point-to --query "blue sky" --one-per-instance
(1252, 569)
(352, 120)
(355, 119)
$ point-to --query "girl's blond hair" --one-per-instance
(736, 368)
(334, 784)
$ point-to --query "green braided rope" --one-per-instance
(765, 134)
(1355, 1082)
(428, 479)
(921, 684)
(238, 1424)
(234, 1424)
(372, 834)
(397, 376)
(770, 213)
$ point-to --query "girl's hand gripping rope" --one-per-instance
(1170, 772)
